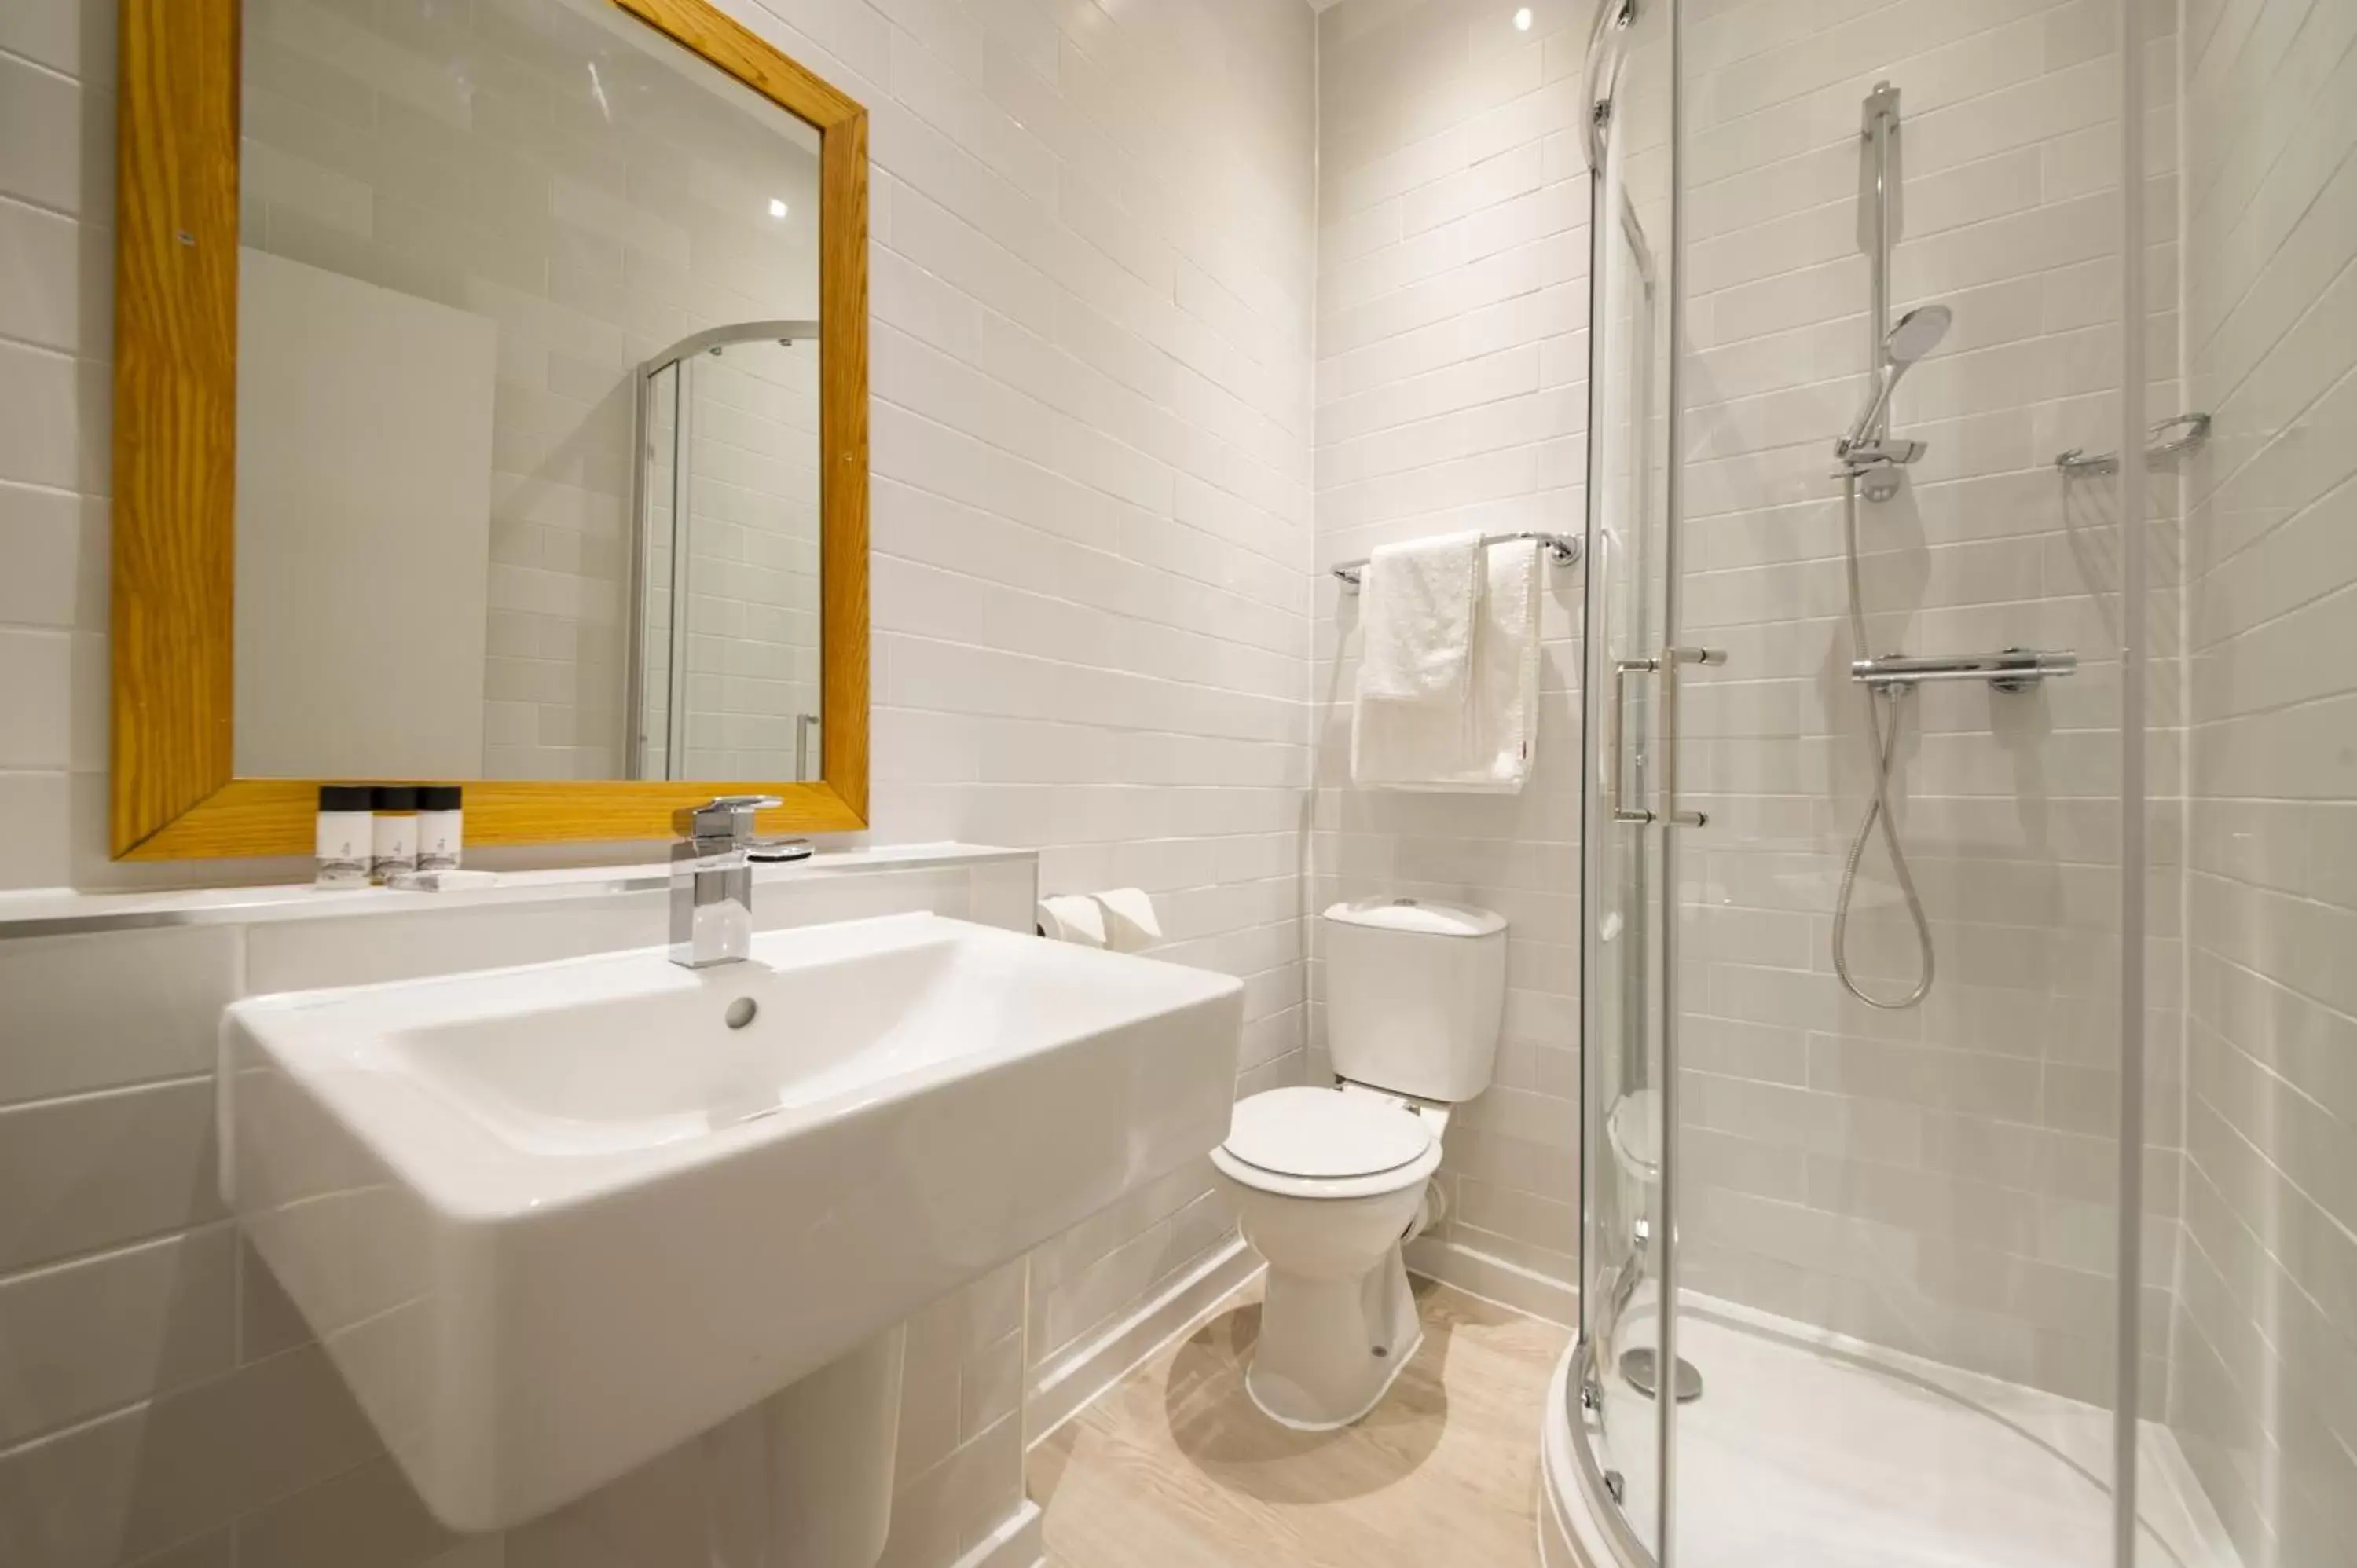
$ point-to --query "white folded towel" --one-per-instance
(1419, 618)
(1505, 674)
(1415, 666)
(1481, 743)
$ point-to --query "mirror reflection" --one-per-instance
(528, 402)
(726, 652)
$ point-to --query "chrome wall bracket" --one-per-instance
(2192, 430)
(1883, 456)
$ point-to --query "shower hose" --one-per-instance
(1882, 747)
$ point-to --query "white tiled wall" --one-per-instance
(1092, 238)
(1090, 345)
(56, 112)
(1452, 361)
(2265, 1337)
(1938, 1179)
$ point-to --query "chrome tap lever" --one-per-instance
(712, 881)
(722, 816)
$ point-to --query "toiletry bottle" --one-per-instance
(347, 840)
(440, 827)
(396, 830)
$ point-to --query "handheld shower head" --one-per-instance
(1916, 334)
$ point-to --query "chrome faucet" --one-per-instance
(712, 879)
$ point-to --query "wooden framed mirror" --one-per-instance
(467, 424)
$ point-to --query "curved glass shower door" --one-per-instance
(1625, 869)
(1920, 1179)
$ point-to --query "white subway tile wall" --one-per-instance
(1092, 242)
(2263, 1341)
(1938, 1179)
(1452, 364)
(57, 168)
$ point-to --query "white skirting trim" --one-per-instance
(1059, 1391)
(1494, 1279)
(1018, 1544)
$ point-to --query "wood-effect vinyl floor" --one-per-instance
(1174, 1467)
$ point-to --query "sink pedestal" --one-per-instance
(832, 1439)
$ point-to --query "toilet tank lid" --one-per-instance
(1424, 915)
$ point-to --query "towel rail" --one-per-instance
(1563, 549)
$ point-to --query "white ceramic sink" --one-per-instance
(551, 1222)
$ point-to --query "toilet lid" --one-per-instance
(1324, 1133)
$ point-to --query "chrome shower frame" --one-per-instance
(1616, 1268)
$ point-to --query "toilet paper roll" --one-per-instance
(1073, 918)
(1130, 923)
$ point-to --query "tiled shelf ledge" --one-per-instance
(52, 912)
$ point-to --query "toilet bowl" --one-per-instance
(1326, 1183)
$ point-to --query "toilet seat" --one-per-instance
(1319, 1142)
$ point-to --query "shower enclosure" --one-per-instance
(1969, 1132)
(723, 678)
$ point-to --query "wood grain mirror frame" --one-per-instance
(176, 792)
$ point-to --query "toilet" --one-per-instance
(1326, 1184)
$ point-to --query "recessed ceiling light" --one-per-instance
(1522, 20)
(777, 208)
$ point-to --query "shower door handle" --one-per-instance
(1670, 662)
(1621, 670)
